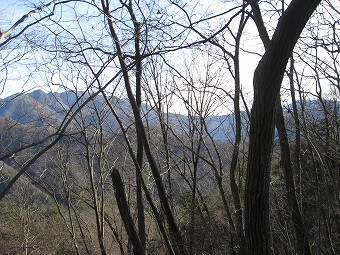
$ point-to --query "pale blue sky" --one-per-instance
(12, 10)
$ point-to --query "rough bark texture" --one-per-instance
(302, 242)
(267, 83)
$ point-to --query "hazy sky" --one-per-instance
(12, 10)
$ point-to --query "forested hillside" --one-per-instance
(170, 127)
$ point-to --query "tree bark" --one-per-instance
(125, 213)
(302, 242)
(140, 150)
(267, 83)
(235, 190)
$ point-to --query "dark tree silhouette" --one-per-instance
(267, 83)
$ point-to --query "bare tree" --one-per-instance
(267, 82)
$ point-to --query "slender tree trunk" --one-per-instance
(299, 227)
(235, 191)
(140, 151)
(173, 227)
(145, 189)
(125, 213)
(297, 146)
(267, 83)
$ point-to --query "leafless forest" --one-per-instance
(179, 127)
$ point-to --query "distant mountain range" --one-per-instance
(28, 118)
(49, 109)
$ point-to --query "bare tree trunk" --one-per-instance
(238, 136)
(173, 227)
(297, 146)
(125, 213)
(140, 151)
(267, 83)
(145, 189)
(299, 227)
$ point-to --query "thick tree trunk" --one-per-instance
(267, 83)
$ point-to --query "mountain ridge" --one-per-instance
(49, 108)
